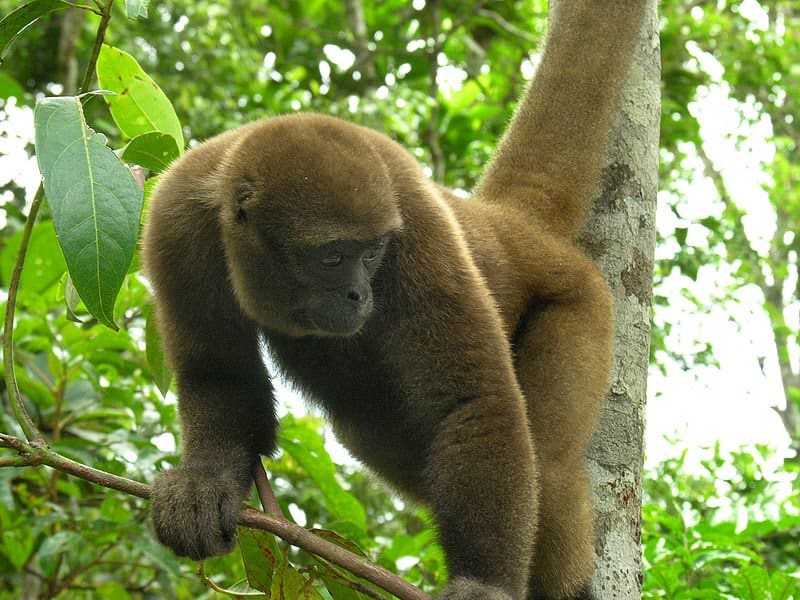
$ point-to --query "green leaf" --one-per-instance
(10, 88)
(17, 21)
(139, 105)
(153, 150)
(339, 591)
(72, 300)
(751, 582)
(17, 545)
(115, 510)
(333, 575)
(159, 367)
(94, 200)
(136, 9)
(305, 445)
(289, 584)
(44, 263)
(61, 541)
(111, 590)
(260, 555)
(784, 587)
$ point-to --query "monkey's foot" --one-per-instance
(461, 588)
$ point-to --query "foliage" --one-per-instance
(744, 52)
(728, 530)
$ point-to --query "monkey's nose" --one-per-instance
(355, 296)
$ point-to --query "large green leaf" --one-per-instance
(94, 200)
(139, 105)
(20, 19)
(18, 545)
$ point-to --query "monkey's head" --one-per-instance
(307, 212)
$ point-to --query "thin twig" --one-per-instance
(105, 18)
(21, 413)
(268, 500)
(13, 461)
(505, 25)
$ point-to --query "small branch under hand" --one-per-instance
(268, 500)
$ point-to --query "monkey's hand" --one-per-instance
(195, 509)
(461, 588)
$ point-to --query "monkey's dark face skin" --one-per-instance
(336, 297)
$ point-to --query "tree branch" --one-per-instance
(249, 517)
(773, 292)
(302, 538)
(734, 211)
(268, 500)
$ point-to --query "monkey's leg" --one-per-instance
(481, 476)
(563, 354)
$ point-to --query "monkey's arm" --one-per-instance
(224, 395)
(548, 162)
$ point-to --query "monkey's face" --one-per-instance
(300, 286)
(335, 292)
(308, 213)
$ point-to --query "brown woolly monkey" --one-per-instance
(460, 348)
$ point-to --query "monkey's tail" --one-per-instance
(548, 162)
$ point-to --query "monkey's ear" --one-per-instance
(245, 192)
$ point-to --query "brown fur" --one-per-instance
(482, 352)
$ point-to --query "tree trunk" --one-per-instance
(621, 237)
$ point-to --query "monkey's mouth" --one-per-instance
(327, 323)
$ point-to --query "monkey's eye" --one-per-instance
(332, 260)
(374, 252)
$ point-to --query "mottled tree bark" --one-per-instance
(620, 235)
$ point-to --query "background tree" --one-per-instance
(621, 235)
